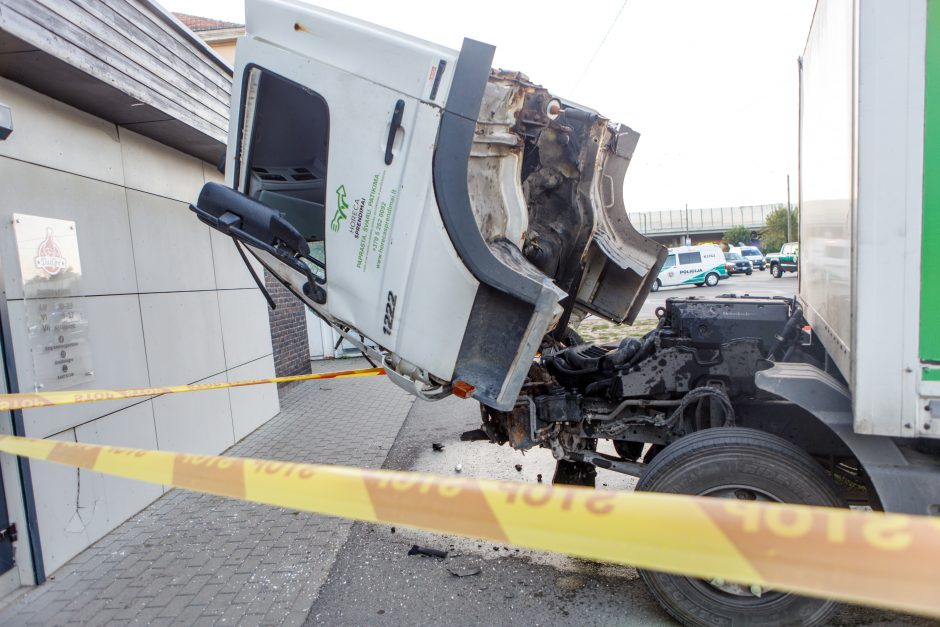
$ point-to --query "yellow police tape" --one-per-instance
(886, 560)
(48, 399)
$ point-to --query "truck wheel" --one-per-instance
(776, 271)
(655, 286)
(711, 279)
(732, 462)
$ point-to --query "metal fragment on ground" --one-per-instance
(464, 570)
(423, 550)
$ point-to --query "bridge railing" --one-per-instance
(701, 220)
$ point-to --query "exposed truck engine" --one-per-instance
(456, 223)
(694, 371)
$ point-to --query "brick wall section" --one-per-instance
(288, 330)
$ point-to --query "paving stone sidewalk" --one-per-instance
(203, 560)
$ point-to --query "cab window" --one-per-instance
(670, 262)
(287, 128)
(689, 258)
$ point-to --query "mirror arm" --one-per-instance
(254, 275)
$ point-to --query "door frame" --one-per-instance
(16, 422)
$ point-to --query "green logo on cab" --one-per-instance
(341, 207)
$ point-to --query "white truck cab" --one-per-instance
(692, 265)
(452, 214)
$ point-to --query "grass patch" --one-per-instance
(601, 331)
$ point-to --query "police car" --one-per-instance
(692, 265)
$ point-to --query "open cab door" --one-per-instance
(407, 193)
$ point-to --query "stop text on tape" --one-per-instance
(884, 560)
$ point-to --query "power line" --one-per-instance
(600, 45)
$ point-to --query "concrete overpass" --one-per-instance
(700, 225)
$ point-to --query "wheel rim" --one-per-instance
(735, 594)
(711, 281)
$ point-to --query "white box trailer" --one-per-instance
(870, 206)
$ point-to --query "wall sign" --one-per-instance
(57, 327)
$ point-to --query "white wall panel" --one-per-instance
(150, 275)
(149, 166)
(244, 316)
(183, 336)
(117, 344)
(133, 428)
(171, 247)
(52, 134)
(198, 423)
(255, 405)
(70, 508)
(100, 214)
(211, 173)
(230, 270)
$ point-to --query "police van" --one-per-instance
(692, 265)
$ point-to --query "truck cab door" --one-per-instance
(334, 125)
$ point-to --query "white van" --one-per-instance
(692, 265)
(751, 253)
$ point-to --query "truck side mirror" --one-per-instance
(240, 216)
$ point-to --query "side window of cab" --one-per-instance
(284, 151)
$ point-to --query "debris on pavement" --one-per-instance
(538, 477)
(423, 550)
(519, 467)
(464, 570)
(458, 468)
(437, 446)
(474, 435)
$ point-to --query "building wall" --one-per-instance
(288, 330)
(225, 49)
(168, 301)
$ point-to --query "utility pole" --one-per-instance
(688, 234)
(789, 238)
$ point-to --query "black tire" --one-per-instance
(711, 279)
(655, 286)
(749, 272)
(742, 463)
(776, 271)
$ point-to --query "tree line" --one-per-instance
(772, 236)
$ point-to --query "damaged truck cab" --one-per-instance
(456, 222)
(452, 214)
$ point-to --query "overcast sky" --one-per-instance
(711, 85)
